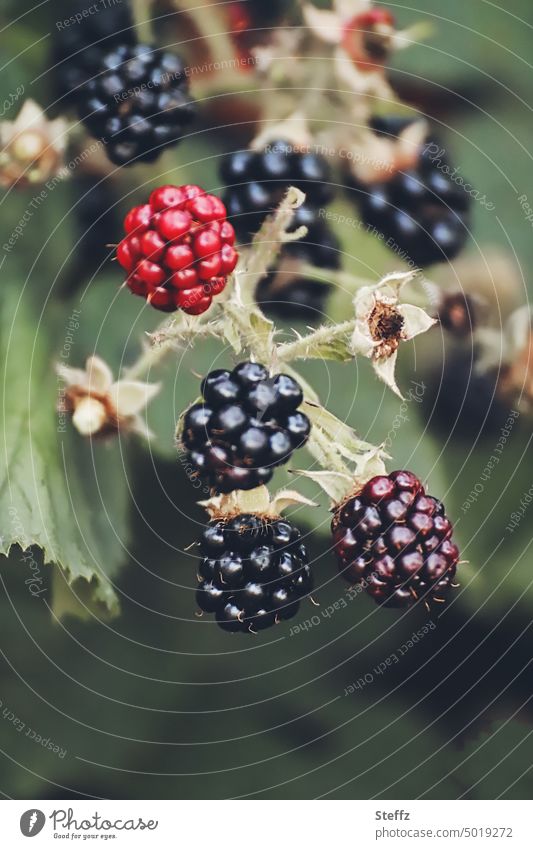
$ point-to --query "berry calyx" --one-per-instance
(395, 541)
(247, 424)
(253, 573)
(178, 249)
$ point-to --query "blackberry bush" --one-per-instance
(137, 102)
(396, 541)
(420, 212)
(247, 424)
(178, 250)
(253, 573)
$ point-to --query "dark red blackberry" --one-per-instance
(247, 424)
(396, 541)
(137, 102)
(257, 181)
(178, 249)
(420, 212)
(81, 38)
(253, 573)
(286, 293)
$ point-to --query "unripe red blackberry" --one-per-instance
(247, 424)
(396, 541)
(253, 573)
(178, 250)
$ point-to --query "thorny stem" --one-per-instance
(304, 347)
(164, 341)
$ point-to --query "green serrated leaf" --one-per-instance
(59, 492)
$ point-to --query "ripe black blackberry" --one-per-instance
(247, 424)
(420, 212)
(258, 180)
(396, 541)
(137, 102)
(285, 292)
(81, 40)
(254, 571)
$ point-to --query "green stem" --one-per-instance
(143, 20)
(307, 347)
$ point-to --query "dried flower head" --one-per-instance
(382, 322)
(32, 147)
(100, 406)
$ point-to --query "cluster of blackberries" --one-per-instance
(254, 572)
(132, 96)
(138, 102)
(178, 250)
(395, 541)
(421, 213)
(257, 182)
(247, 424)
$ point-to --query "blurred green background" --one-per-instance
(159, 704)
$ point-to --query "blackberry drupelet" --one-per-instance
(421, 212)
(247, 424)
(258, 180)
(82, 39)
(286, 293)
(178, 249)
(396, 541)
(137, 102)
(253, 573)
